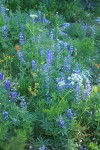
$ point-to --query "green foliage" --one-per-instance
(51, 7)
(14, 130)
(88, 114)
(93, 146)
(20, 5)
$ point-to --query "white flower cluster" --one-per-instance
(33, 16)
(61, 83)
(75, 78)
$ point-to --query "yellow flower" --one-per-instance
(7, 56)
(45, 15)
(30, 89)
(33, 74)
(42, 63)
(1, 60)
(97, 65)
(36, 84)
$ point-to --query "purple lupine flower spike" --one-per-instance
(21, 38)
(51, 36)
(5, 115)
(61, 122)
(20, 56)
(78, 88)
(69, 113)
(33, 65)
(49, 57)
(1, 76)
(87, 89)
(4, 31)
(14, 96)
(2, 9)
(7, 84)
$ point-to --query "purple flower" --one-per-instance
(59, 46)
(33, 65)
(90, 112)
(66, 64)
(22, 27)
(78, 88)
(20, 56)
(69, 113)
(41, 51)
(21, 38)
(39, 14)
(65, 25)
(87, 89)
(42, 148)
(82, 148)
(2, 9)
(14, 96)
(77, 70)
(46, 1)
(23, 103)
(66, 45)
(14, 120)
(68, 85)
(4, 31)
(71, 49)
(47, 82)
(61, 122)
(47, 79)
(89, 6)
(8, 19)
(32, 39)
(60, 83)
(61, 32)
(5, 115)
(99, 81)
(16, 18)
(49, 57)
(51, 36)
(7, 84)
(44, 20)
(1, 76)
(23, 99)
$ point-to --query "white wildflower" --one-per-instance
(61, 83)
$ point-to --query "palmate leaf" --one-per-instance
(56, 108)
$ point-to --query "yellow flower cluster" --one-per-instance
(33, 91)
(33, 74)
(45, 15)
(1, 60)
(6, 56)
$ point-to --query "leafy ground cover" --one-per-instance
(49, 83)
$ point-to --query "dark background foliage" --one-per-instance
(72, 10)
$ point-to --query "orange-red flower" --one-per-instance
(17, 48)
(97, 65)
